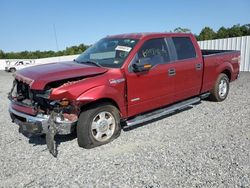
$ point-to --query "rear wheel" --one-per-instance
(98, 125)
(221, 88)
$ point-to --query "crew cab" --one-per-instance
(128, 78)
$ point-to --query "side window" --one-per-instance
(154, 51)
(184, 48)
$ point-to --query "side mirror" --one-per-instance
(142, 65)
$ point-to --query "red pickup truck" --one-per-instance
(130, 78)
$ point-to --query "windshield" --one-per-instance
(108, 52)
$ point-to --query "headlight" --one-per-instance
(64, 102)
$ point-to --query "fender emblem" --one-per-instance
(116, 81)
(135, 99)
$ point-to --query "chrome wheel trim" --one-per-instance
(223, 87)
(103, 126)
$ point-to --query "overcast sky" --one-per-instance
(28, 24)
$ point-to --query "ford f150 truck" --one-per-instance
(130, 78)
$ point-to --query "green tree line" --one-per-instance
(43, 54)
(206, 33)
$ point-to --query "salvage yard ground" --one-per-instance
(206, 146)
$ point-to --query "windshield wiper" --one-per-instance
(91, 62)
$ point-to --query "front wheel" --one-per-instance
(98, 125)
(221, 88)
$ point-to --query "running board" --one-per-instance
(162, 112)
(204, 95)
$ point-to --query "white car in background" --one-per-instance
(12, 66)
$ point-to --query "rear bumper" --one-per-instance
(37, 125)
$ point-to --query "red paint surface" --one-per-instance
(39, 76)
(24, 109)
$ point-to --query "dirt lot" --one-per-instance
(206, 146)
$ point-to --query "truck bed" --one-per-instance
(215, 62)
(216, 52)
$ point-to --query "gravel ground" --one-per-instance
(206, 146)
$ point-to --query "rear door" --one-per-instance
(153, 88)
(187, 67)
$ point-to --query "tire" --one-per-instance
(221, 88)
(98, 125)
(12, 70)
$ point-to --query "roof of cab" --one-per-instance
(142, 35)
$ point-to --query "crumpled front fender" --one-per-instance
(105, 92)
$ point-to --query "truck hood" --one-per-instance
(39, 76)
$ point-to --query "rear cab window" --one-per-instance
(184, 48)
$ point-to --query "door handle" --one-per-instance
(198, 66)
(171, 72)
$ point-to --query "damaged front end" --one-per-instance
(37, 114)
(31, 109)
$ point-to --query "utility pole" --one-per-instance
(54, 26)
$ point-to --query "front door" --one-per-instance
(153, 88)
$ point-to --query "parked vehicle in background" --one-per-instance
(14, 65)
(130, 78)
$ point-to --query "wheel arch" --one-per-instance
(103, 94)
(225, 68)
(228, 73)
(98, 101)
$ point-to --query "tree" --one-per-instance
(2, 55)
(222, 33)
(82, 48)
(235, 31)
(206, 34)
(24, 54)
(43, 54)
(246, 30)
